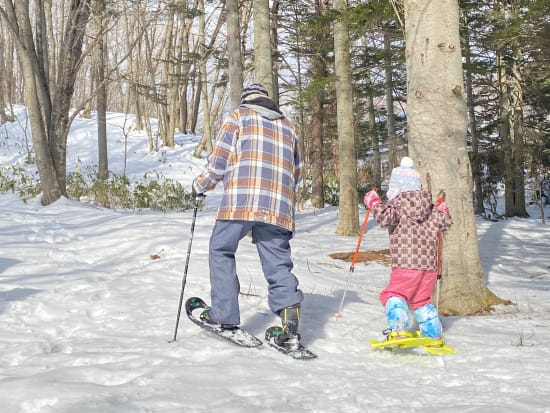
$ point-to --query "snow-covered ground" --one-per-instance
(89, 296)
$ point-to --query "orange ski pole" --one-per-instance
(356, 253)
(353, 261)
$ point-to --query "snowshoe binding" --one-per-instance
(402, 339)
(286, 338)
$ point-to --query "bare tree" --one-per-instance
(203, 93)
(48, 114)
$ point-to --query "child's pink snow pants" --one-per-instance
(415, 286)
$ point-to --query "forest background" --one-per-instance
(365, 82)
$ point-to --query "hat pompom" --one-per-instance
(407, 162)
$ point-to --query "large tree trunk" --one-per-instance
(348, 217)
(274, 49)
(234, 52)
(263, 63)
(437, 124)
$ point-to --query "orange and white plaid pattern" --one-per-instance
(260, 163)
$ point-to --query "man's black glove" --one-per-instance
(194, 192)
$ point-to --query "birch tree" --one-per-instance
(437, 126)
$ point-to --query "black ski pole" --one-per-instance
(184, 279)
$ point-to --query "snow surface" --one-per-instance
(89, 297)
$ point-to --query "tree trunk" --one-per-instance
(51, 191)
(3, 88)
(474, 156)
(437, 125)
(393, 154)
(49, 116)
(69, 58)
(316, 151)
(183, 115)
(101, 95)
(169, 106)
(7, 78)
(376, 161)
(373, 132)
(274, 48)
(234, 52)
(263, 64)
(206, 140)
(316, 148)
(348, 221)
(512, 123)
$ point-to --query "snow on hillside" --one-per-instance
(88, 302)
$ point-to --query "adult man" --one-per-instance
(257, 156)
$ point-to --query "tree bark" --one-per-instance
(316, 149)
(437, 125)
(348, 217)
(512, 121)
(206, 140)
(234, 52)
(390, 112)
(316, 152)
(49, 115)
(101, 93)
(263, 62)
(474, 134)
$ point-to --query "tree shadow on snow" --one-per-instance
(15, 294)
(5, 263)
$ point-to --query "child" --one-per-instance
(414, 224)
